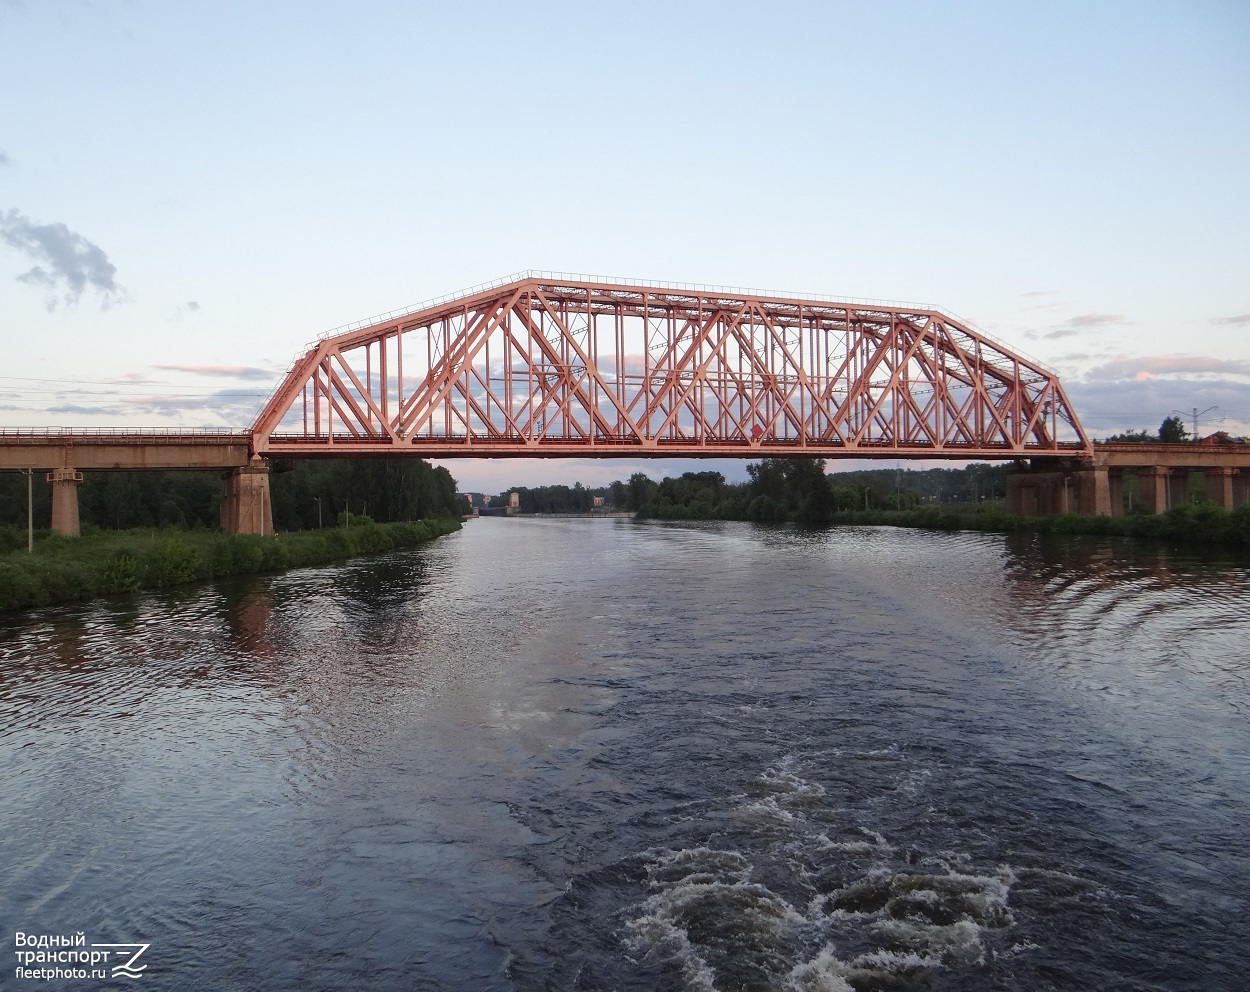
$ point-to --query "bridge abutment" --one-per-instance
(65, 483)
(246, 506)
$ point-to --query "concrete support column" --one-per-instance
(1063, 492)
(1093, 484)
(1153, 486)
(65, 483)
(1015, 493)
(1115, 492)
(1220, 486)
(246, 507)
(1178, 488)
(1241, 487)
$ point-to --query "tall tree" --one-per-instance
(1172, 431)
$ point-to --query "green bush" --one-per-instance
(122, 574)
(176, 562)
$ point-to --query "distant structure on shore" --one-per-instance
(484, 505)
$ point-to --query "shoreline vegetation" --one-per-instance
(107, 563)
(1201, 523)
(800, 492)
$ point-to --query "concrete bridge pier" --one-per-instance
(1178, 487)
(1115, 492)
(1043, 491)
(246, 506)
(1152, 483)
(1095, 491)
(65, 483)
(1220, 486)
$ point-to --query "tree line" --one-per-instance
(1171, 431)
(798, 490)
(305, 494)
(556, 499)
(778, 489)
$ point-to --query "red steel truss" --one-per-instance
(544, 366)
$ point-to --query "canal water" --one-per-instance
(602, 754)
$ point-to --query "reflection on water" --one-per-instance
(603, 754)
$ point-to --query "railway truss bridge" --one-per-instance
(553, 365)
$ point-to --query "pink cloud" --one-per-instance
(1237, 321)
(1095, 320)
(1143, 369)
(221, 371)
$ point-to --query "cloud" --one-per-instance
(1077, 325)
(1040, 292)
(65, 260)
(1140, 369)
(221, 371)
(1238, 321)
(1108, 407)
(4, 158)
(73, 408)
(236, 407)
(192, 305)
(1094, 320)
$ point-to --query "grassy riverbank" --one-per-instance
(1199, 523)
(112, 562)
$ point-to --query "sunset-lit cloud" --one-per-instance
(249, 372)
(1079, 324)
(1143, 368)
(1084, 320)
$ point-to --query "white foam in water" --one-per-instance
(789, 787)
(923, 920)
(655, 936)
(885, 926)
(694, 884)
(769, 808)
(826, 972)
(875, 844)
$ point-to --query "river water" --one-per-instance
(601, 754)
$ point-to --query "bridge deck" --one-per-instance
(122, 449)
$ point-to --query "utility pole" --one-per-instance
(1194, 413)
(318, 501)
(30, 512)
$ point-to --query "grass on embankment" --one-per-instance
(112, 562)
(1198, 523)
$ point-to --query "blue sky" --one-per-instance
(190, 192)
